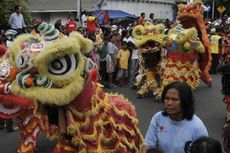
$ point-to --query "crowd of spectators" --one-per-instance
(116, 56)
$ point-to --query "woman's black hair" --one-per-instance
(92, 37)
(151, 15)
(16, 7)
(186, 98)
(205, 145)
(124, 33)
(154, 150)
(142, 13)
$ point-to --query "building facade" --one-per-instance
(51, 10)
(162, 9)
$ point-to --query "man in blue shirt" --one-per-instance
(16, 20)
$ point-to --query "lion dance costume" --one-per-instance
(54, 72)
(149, 39)
(224, 68)
(19, 107)
(183, 47)
(191, 15)
(188, 48)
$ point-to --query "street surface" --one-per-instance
(209, 107)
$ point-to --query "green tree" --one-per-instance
(7, 7)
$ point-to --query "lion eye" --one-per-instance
(4, 70)
(24, 62)
(7, 88)
(139, 33)
(62, 66)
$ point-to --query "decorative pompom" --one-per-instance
(12, 100)
(13, 73)
(187, 45)
(48, 31)
(24, 80)
(29, 81)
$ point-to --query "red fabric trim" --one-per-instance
(227, 100)
(3, 49)
(11, 116)
(82, 102)
(11, 100)
(176, 56)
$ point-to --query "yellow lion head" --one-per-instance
(51, 71)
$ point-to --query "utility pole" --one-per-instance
(79, 9)
(213, 8)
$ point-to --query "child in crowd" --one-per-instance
(133, 64)
(123, 60)
(99, 36)
(94, 55)
(204, 145)
(71, 25)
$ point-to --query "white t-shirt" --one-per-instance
(135, 54)
(126, 39)
(111, 48)
(171, 136)
(83, 20)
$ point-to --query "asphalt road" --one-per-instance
(209, 107)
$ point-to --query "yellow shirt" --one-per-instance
(123, 58)
(215, 44)
(98, 39)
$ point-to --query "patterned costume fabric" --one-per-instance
(224, 68)
(54, 72)
(149, 39)
(191, 15)
(18, 107)
(183, 46)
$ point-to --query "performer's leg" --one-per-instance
(2, 124)
(144, 89)
(9, 125)
(146, 86)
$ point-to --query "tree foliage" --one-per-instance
(7, 7)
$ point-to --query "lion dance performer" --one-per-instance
(149, 39)
(224, 68)
(183, 47)
(88, 119)
(225, 71)
(21, 108)
(191, 15)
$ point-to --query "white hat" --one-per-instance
(113, 27)
(213, 31)
(10, 32)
